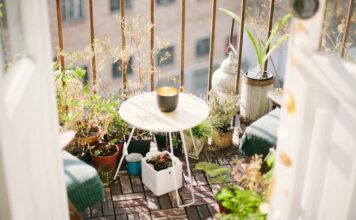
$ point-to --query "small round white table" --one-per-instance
(142, 112)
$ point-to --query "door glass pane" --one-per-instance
(11, 37)
(335, 29)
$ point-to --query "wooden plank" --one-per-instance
(131, 203)
(121, 217)
(107, 204)
(152, 201)
(165, 202)
(96, 210)
(117, 198)
(173, 198)
(125, 184)
(200, 177)
(173, 213)
(85, 213)
(192, 212)
(136, 184)
(131, 209)
(213, 208)
(133, 217)
(204, 211)
(144, 216)
(115, 187)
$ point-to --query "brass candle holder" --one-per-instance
(167, 98)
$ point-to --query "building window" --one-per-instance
(115, 5)
(165, 56)
(203, 46)
(73, 10)
(164, 2)
(117, 69)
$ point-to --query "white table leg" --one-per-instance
(196, 156)
(188, 170)
(124, 152)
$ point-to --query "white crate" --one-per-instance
(161, 182)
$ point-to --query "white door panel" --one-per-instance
(31, 167)
(320, 137)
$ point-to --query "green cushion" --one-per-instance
(261, 135)
(84, 187)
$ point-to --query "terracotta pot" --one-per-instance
(105, 161)
(222, 139)
(91, 140)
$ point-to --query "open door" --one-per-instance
(315, 173)
(31, 170)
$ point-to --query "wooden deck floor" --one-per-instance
(127, 198)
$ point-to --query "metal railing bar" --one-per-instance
(93, 62)
(347, 28)
(123, 46)
(182, 47)
(152, 43)
(270, 23)
(241, 37)
(212, 42)
(60, 33)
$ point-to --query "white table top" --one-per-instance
(142, 112)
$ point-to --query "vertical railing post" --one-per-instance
(60, 33)
(123, 46)
(241, 37)
(270, 23)
(212, 42)
(347, 28)
(93, 64)
(182, 47)
(152, 35)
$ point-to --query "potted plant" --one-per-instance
(140, 142)
(177, 144)
(257, 81)
(162, 140)
(222, 111)
(200, 135)
(105, 155)
(161, 172)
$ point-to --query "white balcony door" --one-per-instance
(319, 139)
(31, 170)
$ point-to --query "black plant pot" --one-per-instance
(85, 156)
(139, 146)
(177, 151)
(162, 141)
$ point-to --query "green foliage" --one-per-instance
(202, 130)
(269, 160)
(263, 50)
(243, 204)
(222, 110)
(85, 112)
(214, 172)
(176, 140)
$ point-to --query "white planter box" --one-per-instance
(162, 182)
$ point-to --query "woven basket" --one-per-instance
(222, 139)
(106, 174)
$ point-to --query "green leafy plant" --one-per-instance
(263, 50)
(105, 149)
(176, 141)
(202, 130)
(242, 204)
(214, 172)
